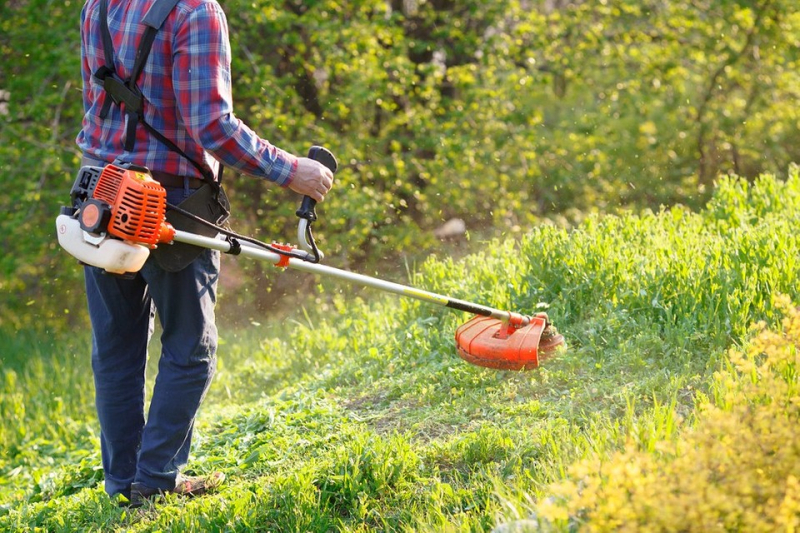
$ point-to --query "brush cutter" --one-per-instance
(118, 214)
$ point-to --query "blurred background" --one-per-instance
(453, 122)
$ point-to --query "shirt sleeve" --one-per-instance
(202, 83)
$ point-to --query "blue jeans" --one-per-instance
(122, 313)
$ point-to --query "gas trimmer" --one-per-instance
(118, 214)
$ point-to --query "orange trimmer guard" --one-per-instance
(489, 342)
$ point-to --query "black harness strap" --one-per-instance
(153, 19)
(119, 91)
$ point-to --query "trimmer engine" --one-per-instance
(117, 215)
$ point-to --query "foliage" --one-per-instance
(499, 113)
(358, 416)
(40, 77)
(734, 469)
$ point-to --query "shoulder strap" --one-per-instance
(159, 12)
(108, 44)
(108, 52)
(128, 92)
(153, 19)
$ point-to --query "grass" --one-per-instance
(734, 469)
(360, 416)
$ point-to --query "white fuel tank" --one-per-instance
(112, 255)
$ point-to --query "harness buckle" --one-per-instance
(120, 92)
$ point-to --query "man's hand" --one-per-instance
(311, 179)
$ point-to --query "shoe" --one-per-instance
(188, 486)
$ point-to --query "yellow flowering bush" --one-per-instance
(737, 468)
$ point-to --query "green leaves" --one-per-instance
(492, 112)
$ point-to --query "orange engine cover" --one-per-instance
(485, 341)
(138, 205)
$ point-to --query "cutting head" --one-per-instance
(492, 343)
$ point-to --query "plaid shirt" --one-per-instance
(187, 87)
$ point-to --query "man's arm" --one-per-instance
(202, 83)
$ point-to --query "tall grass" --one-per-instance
(361, 416)
(736, 469)
(45, 405)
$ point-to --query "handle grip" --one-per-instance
(324, 156)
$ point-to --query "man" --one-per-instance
(186, 85)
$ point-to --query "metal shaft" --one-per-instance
(253, 251)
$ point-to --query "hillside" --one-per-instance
(360, 417)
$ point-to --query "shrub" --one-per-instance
(737, 468)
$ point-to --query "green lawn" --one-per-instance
(361, 417)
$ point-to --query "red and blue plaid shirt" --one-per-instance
(187, 87)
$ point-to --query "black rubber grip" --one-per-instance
(324, 156)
